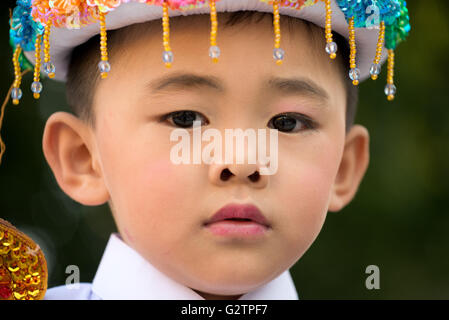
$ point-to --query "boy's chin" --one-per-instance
(231, 284)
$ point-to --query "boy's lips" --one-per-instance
(239, 213)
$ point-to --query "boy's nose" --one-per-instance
(225, 174)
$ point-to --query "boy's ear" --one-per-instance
(352, 167)
(68, 148)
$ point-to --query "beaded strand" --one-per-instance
(103, 65)
(214, 50)
(36, 86)
(49, 67)
(390, 88)
(278, 53)
(375, 67)
(167, 55)
(16, 93)
(354, 72)
(331, 46)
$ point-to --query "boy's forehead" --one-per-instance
(253, 23)
(245, 45)
(243, 68)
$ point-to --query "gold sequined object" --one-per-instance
(23, 268)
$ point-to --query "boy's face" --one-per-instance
(160, 207)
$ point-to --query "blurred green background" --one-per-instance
(398, 221)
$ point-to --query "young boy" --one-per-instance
(117, 147)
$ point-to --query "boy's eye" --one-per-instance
(291, 122)
(184, 119)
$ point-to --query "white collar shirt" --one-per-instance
(123, 274)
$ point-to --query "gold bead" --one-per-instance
(104, 75)
(355, 82)
(168, 65)
(51, 75)
(374, 76)
(214, 60)
(333, 55)
(36, 95)
(390, 97)
(278, 62)
(15, 101)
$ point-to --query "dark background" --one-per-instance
(398, 220)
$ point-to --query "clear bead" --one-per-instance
(36, 87)
(375, 69)
(16, 93)
(331, 47)
(354, 74)
(49, 67)
(167, 56)
(214, 52)
(104, 66)
(390, 89)
(278, 54)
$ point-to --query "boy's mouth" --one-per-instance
(239, 213)
(238, 220)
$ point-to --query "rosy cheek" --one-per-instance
(161, 174)
(306, 188)
(146, 199)
(304, 202)
(159, 184)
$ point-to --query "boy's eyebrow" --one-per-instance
(296, 85)
(185, 80)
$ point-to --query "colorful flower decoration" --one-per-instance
(294, 4)
(398, 30)
(362, 10)
(65, 13)
(391, 17)
(24, 29)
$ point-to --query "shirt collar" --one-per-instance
(124, 274)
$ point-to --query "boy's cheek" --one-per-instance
(303, 188)
(157, 185)
(152, 203)
(304, 200)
